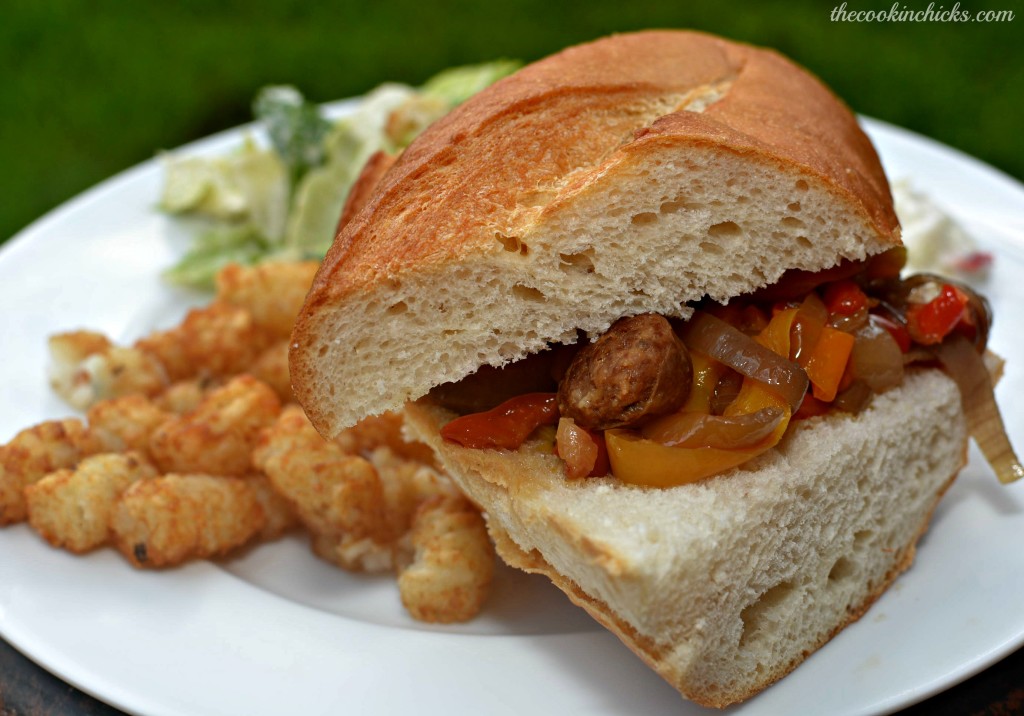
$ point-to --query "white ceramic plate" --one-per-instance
(276, 631)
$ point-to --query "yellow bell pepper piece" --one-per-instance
(639, 461)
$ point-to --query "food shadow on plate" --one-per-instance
(519, 603)
(977, 483)
(617, 681)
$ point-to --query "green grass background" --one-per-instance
(90, 88)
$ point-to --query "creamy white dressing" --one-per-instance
(935, 242)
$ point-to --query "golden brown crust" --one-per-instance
(366, 183)
(457, 177)
(528, 147)
(654, 654)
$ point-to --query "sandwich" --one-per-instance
(644, 300)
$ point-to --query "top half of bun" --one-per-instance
(627, 175)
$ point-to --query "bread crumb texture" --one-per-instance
(724, 586)
(629, 175)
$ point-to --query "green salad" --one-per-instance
(283, 201)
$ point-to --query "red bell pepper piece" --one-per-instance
(845, 298)
(507, 426)
(929, 323)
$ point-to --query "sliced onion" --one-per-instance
(851, 323)
(980, 315)
(806, 330)
(917, 354)
(726, 390)
(963, 363)
(854, 398)
(716, 339)
(876, 358)
(697, 430)
(576, 447)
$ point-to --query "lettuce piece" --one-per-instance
(295, 126)
(284, 202)
(439, 95)
(248, 185)
(214, 249)
(457, 84)
(320, 196)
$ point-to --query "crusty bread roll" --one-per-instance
(633, 175)
(629, 175)
(725, 586)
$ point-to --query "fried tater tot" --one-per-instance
(218, 437)
(67, 351)
(219, 339)
(352, 553)
(31, 455)
(272, 292)
(406, 485)
(125, 423)
(168, 349)
(86, 367)
(386, 429)
(184, 396)
(166, 520)
(271, 367)
(291, 431)
(451, 571)
(338, 496)
(280, 515)
(72, 508)
(358, 517)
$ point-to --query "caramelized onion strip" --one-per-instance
(876, 358)
(696, 430)
(715, 338)
(963, 363)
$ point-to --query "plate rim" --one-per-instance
(111, 692)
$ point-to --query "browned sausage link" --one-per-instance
(637, 370)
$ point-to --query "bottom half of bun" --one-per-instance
(725, 586)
